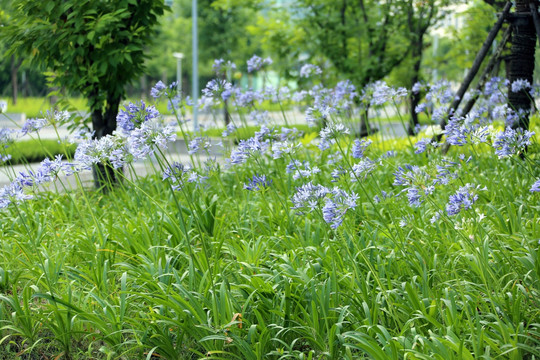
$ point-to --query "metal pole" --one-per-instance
(195, 79)
(179, 75)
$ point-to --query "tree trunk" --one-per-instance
(14, 80)
(103, 124)
(521, 61)
(415, 97)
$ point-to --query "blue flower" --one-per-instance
(32, 125)
(257, 183)
(359, 147)
(536, 186)
(362, 169)
(12, 193)
(158, 90)
(520, 84)
(309, 70)
(421, 145)
(133, 115)
(308, 196)
(337, 205)
(256, 63)
(510, 141)
(463, 199)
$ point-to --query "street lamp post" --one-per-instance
(195, 72)
(179, 57)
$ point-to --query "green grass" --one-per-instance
(31, 151)
(34, 106)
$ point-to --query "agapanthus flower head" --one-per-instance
(158, 90)
(422, 145)
(143, 141)
(336, 205)
(283, 147)
(359, 148)
(4, 158)
(308, 70)
(177, 175)
(6, 137)
(257, 183)
(417, 87)
(249, 148)
(535, 187)
(134, 115)
(362, 169)
(463, 199)
(259, 117)
(420, 108)
(13, 193)
(196, 143)
(220, 67)
(333, 130)
(247, 98)
(308, 197)
(302, 170)
(230, 129)
(511, 141)
(410, 175)
(441, 92)
(520, 84)
(383, 93)
(218, 88)
(257, 63)
(33, 125)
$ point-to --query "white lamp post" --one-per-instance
(195, 72)
(179, 57)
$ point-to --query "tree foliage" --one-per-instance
(364, 40)
(94, 47)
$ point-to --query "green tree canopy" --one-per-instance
(94, 47)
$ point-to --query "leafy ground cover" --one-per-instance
(293, 246)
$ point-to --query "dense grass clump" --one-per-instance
(289, 246)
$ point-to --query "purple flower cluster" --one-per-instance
(536, 186)
(415, 181)
(178, 175)
(257, 183)
(133, 115)
(337, 202)
(362, 169)
(383, 93)
(309, 70)
(217, 88)
(463, 199)
(251, 147)
(520, 84)
(511, 141)
(196, 143)
(220, 67)
(257, 63)
(336, 205)
(359, 148)
(307, 172)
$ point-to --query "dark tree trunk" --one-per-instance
(14, 80)
(226, 115)
(103, 124)
(521, 61)
(415, 97)
(365, 129)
